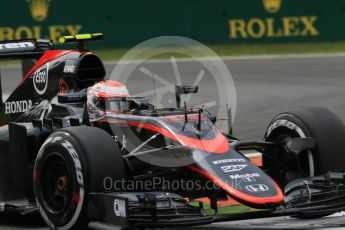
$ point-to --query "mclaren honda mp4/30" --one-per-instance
(64, 129)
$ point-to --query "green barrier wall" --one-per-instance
(128, 22)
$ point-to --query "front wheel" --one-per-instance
(329, 154)
(71, 163)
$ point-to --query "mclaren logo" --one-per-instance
(257, 188)
(39, 9)
(272, 6)
(16, 45)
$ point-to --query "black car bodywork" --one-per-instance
(52, 95)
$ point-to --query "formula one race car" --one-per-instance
(80, 149)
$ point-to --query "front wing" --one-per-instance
(310, 197)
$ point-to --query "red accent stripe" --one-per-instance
(277, 199)
(217, 145)
(46, 57)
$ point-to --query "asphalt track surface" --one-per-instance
(265, 87)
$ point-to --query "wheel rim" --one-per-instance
(291, 171)
(55, 184)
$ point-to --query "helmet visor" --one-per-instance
(114, 105)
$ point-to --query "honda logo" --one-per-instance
(257, 188)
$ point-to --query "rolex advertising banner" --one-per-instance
(126, 23)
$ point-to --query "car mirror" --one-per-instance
(184, 89)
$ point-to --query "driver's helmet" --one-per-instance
(107, 97)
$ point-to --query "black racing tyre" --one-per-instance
(71, 163)
(321, 124)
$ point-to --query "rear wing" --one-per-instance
(27, 50)
(24, 48)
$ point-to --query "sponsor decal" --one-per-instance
(248, 179)
(12, 107)
(235, 160)
(247, 175)
(16, 45)
(257, 28)
(40, 79)
(233, 168)
(274, 26)
(257, 188)
(73, 153)
(39, 9)
(120, 208)
(272, 6)
(69, 66)
(53, 32)
(287, 124)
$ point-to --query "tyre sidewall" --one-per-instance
(68, 149)
(326, 128)
(285, 122)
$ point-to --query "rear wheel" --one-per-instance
(70, 164)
